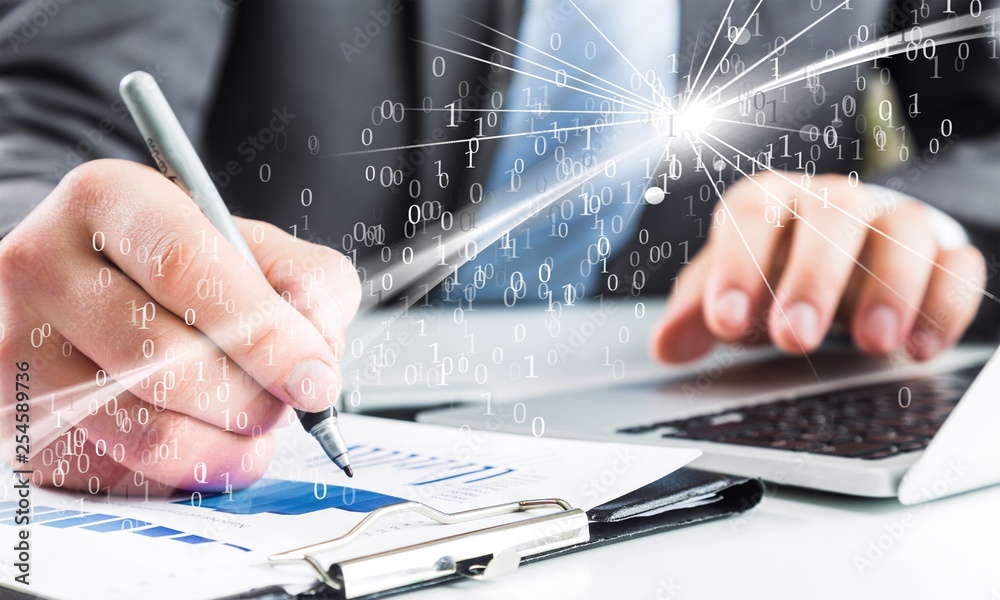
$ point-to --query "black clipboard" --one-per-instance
(495, 551)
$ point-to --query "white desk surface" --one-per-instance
(795, 544)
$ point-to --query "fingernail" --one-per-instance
(882, 328)
(732, 309)
(805, 323)
(313, 385)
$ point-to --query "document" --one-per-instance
(211, 545)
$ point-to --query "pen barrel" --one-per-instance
(310, 420)
(323, 427)
(175, 156)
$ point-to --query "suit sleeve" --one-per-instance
(958, 173)
(60, 64)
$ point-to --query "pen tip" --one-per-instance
(349, 471)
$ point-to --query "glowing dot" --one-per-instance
(719, 165)
(654, 195)
(695, 119)
(741, 36)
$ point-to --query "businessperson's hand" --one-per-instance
(153, 356)
(853, 260)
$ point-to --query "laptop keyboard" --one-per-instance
(867, 422)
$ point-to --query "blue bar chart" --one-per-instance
(282, 497)
(48, 516)
(267, 496)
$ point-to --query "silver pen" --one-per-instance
(176, 158)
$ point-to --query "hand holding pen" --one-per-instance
(177, 159)
(163, 356)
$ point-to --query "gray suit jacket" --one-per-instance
(270, 91)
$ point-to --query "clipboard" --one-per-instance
(496, 551)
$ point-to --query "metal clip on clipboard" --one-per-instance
(481, 554)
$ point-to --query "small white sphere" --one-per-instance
(742, 37)
(654, 195)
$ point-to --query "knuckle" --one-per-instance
(291, 285)
(160, 438)
(165, 343)
(265, 413)
(168, 389)
(269, 335)
(184, 394)
(23, 257)
(131, 441)
(178, 272)
(90, 187)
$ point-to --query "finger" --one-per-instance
(189, 268)
(54, 386)
(63, 458)
(828, 238)
(886, 309)
(683, 335)
(177, 451)
(321, 283)
(746, 245)
(115, 326)
(70, 406)
(950, 303)
(83, 467)
(77, 461)
(60, 390)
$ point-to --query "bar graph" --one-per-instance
(267, 496)
(49, 516)
(282, 497)
(425, 470)
(270, 496)
(117, 525)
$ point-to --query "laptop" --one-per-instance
(838, 422)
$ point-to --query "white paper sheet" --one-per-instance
(206, 547)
